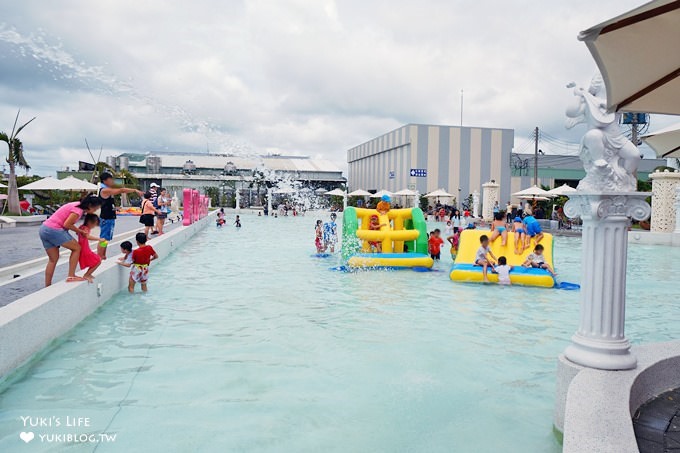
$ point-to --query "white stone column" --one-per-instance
(664, 211)
(475, 204)
(489, 199)
(344, 201)
(238, 200)
(600, 341)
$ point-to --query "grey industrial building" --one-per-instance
(426, 157)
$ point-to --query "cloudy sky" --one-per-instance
(312, 77)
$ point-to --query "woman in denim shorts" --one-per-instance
(54, 233)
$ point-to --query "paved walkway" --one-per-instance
(22, 244)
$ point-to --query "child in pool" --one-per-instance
(503, 271)
(375, 225)
(141, 258)
(383, 206)
(533, 230)
(499, 228)
(330, 234)
(537, 260)
(520, 235)
(237, 222)
(454, 240)
(448, 231)
(126, 250)
(318, 236)
(220, 218)
(434, 244)
(483, 254)
(88, 259)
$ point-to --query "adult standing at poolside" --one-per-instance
(163, 204)
(154, 190)
(54, 233)
(108, 212)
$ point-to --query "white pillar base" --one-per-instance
(600, 341)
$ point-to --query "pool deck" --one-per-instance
(23, 259)
(30, 323)
(595, 409)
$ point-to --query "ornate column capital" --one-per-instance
(602, 206)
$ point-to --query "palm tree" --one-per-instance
(15, 157)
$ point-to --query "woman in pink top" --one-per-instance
(54, 234)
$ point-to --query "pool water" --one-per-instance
(246, 342)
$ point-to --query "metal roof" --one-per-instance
(219, 161)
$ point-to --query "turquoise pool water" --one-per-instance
(247, 343)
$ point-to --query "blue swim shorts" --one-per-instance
(533, 228)
(106, 228)
(52, 237)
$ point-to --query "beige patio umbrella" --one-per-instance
(336, 193)
(359, 193)
(665, 142)
(637, 54)
(2, 186)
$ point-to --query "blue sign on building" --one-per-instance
(419, 172)
(392, 175)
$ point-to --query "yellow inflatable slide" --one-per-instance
(464, 269)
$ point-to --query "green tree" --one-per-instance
(15, 157)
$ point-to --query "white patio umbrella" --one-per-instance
(2, 186)
(564, 189)
(406, 193)
(73, 183)
(359, 193)
(532, 192)
(48, 183)
(637, 53)
(665, 142)
(320, 191)
(438, 193)
(336, 193)
(380, 194)
(531, 197)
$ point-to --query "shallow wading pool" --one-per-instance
(246, 342)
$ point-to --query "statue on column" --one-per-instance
(609, 158)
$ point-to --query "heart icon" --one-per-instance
(26, 436)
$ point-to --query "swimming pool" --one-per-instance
(247, 343)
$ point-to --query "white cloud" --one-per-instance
(289, 76)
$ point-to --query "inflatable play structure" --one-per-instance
(402, 237)
(464, 270)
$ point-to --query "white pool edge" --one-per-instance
(29, 324)
(594, 408)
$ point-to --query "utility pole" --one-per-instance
(461, 108)
(634, 130)
(536, 156)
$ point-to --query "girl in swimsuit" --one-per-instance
(318, 236)
(499, 228)
(520, 234)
